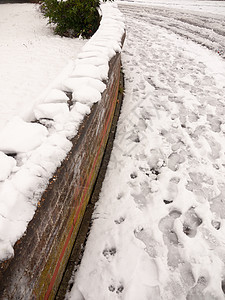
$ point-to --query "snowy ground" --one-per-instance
(31, 57)
(193, 6)
(159, 227)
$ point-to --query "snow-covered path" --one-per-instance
(159, 227)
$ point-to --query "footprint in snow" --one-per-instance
(140, 200)
(172, 190)
(197, 291)
(186, 275)
(166, 225)
(146, 114)
(133, 175)
(200, 178)
(118, 289)
(174, 160)
(217, 205)
(152, 246)
(109, 253)
(216, 224)
(197, 181)
(198, 132)
(191, 223)
(134, 137)
(120, 196)
(214, 123)
(193, 117)
(176, 146)
(215, 148)
(120, 220)
(210, 239)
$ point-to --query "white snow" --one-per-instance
(19, 136)
(31, 57)
(56, 96)
(71, 83)
(38, 72)
(87, 94)
(7, 165)
(159, 226)
(51, 110)
(201, 7)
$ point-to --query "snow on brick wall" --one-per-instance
(41, 254)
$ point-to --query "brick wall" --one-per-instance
(42, 253)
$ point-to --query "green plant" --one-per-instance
(72, 18)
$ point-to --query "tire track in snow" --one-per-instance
(209, 32)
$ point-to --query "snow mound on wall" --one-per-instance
(31, 152)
